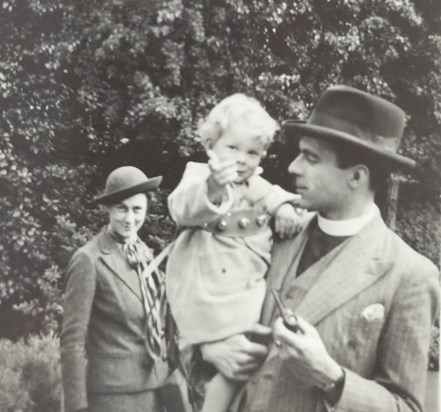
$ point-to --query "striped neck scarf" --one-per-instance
(138, 256)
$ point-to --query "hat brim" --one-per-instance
(119, 195)
(299, 128)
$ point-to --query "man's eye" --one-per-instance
(232, 147)
(311, 158)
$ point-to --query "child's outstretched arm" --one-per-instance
(197, 200)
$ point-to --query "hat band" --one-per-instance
(324, 120)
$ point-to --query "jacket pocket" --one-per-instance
(361, 342)
(224, 273)
(363, 331)
(105, 371)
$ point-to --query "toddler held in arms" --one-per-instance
(225, 211)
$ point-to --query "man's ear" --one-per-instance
(359, 176)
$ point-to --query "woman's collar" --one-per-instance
(118, 238)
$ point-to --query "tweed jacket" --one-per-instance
(212, 277)
(373, 300)
(103, 344)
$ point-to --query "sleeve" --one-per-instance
(78, 300)
(189, 204)
(398, 383)
(277, 197)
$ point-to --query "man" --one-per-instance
(364, 299)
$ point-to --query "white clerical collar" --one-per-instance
(347, 227)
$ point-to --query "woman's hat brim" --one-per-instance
(109, 198)
(299, 128)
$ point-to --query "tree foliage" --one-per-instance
(86, 86)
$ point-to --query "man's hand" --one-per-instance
(287, 221)
(236, 357)
(305, 354)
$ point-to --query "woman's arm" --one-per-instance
(78, 301)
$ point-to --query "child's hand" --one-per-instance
(287, 221)
(222, 173)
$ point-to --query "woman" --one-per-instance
(112, 350)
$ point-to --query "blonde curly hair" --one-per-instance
(237, 108)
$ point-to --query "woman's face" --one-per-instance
(127, 216)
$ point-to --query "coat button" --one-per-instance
(261, 220)
(222, 225)
(164, 357)
(244, 223)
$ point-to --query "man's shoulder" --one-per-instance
(401, 261)
(410, 258)
(381, 242)
(281, 245)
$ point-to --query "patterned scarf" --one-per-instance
(152, 282)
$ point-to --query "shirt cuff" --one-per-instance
(338, 387)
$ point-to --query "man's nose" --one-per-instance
(294, 167)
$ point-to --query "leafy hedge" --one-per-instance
(30, 375)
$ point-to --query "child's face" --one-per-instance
(240, 143)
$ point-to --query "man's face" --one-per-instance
(127, 216)
(318, 179)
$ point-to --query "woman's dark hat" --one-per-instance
(353, 116)
(124, 182)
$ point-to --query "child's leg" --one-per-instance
(219, 394)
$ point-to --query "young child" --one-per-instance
(224, 210)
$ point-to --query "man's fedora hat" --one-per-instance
(356, 117)
(124, 182)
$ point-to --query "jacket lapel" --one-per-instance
(284, 255)
(351, 267)
(114, 259)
